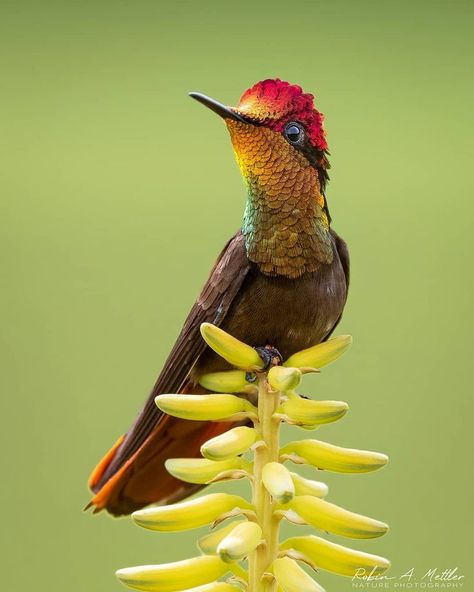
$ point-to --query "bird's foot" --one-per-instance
(270, 356)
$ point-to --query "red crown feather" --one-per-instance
(274, 102)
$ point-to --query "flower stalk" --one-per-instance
(243, 550)
(267, 451)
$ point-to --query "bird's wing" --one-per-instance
(224, 282)
(343, 253)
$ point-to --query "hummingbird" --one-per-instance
(280, 284)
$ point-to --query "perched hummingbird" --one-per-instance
(280, 282)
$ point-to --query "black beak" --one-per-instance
(219, 108)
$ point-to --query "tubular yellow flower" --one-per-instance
(238, 354)
(240, 542)
(214, 587)
(292, 578)
(205, 407)
(229, 444)
(202, 470)
(284, 379)
(253, 530)
(208, 544)
(232, 381)
(278, 482)
(334, 458)
(189, 514)
(173, 577)
(306, 412)
(308, 486)
(332, 518)
(332, 557)
(320, 355)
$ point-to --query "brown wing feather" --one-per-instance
(224, 281)
(343, 253)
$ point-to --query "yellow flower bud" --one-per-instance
(202, 470)
(306, 412)
(332, 557)
(172, 577)
(308, 486)
(331, 518)
(205, 407)
(278, 482)
(214, 587)
(189, 514)
(284, 379)
(334, 458)
(235, 352)
(208, 544)
(320, 355)
(292, 578)
(240, 542)
(232, 381)
(229, 444)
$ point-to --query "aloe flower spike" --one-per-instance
(249, 530)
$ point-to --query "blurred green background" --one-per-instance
(118, 193)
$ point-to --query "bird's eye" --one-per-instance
(294, 132)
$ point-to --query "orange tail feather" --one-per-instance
(143, 479)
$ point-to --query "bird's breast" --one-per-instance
(289, 314)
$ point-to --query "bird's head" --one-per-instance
(280, 145)
(277, 135)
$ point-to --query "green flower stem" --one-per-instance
(266, 451)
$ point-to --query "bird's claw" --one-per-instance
(270, 356)
(250, 377)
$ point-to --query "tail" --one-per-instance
(143, 479)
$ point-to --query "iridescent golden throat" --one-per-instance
(285, 226)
